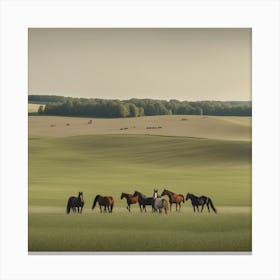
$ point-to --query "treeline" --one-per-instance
(103, 108)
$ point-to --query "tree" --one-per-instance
(41, 110)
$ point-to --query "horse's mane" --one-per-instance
(127, 194)
(169, 191)
(142, 195)
(192, 195)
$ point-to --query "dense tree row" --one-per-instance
(67, 106)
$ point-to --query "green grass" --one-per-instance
(140, 232)
(108, 165)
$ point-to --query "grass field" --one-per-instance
(210, 127)
(108, 164)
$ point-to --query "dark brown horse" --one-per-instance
(106, 201)
(143, 201)
(130, 199)
(174, 198)
(75, 202)
(201, 200)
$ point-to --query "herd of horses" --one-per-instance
(157, 202)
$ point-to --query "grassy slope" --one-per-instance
(109, 164)
(227, 128)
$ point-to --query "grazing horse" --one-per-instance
(106, 201)
(74, 202)
(200, 200)
(130, 199)
(143, 200)
(174, 198)
(159, 203)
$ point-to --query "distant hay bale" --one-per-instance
(52, 125)
(123, 128)
(68, 124)
(184, 119)
(90, 122)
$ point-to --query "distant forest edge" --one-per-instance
(105, 108)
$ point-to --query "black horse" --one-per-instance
(74, 202)
(143, 200)
(200, 200)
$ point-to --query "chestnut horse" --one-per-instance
(130, 199)
(174, 198)
(106, 201)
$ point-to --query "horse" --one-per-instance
(74, 202)
(130, 199)
(200, 200)
(143, 200)
(159, 203)
(174, 198)
(106, 201)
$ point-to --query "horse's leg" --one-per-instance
(100, 208)
(202, 207)
(129, 207)
(78, 209)
(208, 207)
(176, 206)
(170, 205)
(179, 206)
(81, 209)
(193, 208)
(197, 208)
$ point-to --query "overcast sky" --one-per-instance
(184, 64)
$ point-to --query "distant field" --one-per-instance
(33, 107)
(212, 127)
(111, 163)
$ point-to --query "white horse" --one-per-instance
(159, 203)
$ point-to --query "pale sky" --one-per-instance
(183, 64)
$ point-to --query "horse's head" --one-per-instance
(187, 196)
(81, 196)
(155, 193)
(122, 195)
(136, 193)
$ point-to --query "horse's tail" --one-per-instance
(182, 198)
(111, 201)
(68, 207)
(95, 201)
(165, 204)
(212, 205)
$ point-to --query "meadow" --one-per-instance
(88, 158)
